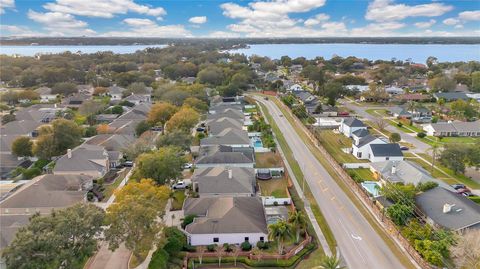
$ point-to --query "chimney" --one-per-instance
(394, 169)
(447, 208)
(69, 153)
(230, 173)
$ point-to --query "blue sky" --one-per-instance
(278, 18)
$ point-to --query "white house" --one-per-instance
(350, 125)
(46, 94)
(116, 93)
(394, 90)
(221, 220)
(295, 88)
(471, 129)
(384, 152)
(359, 88)
(361, 147)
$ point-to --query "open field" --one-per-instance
(268, 160)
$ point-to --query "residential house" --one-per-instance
(90, 160)
(393, 90)
(46, 94)
(295, 88)
(75, 100)
(271, 77)
(361, 144)
(221, 220)
(359, 134)
(305, 97)
(43, 113)
(384, 152)
(218, 125)
(137, 99)
(447, 209)
(228, 137)
(350, 125)
(42, 194)
(106, 118)
(224, 181)
(225, 112)
(114, 145)
(86, 89)
(420, 114)
(469, 129)
(451, 96)
(127, 122)
(417, 97)
(213, 156)
(357, 88)
(404, 172)
(116, 93)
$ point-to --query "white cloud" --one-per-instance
(60, 24)
(103, 8)
(387, 10)
(198, 20)
(317, 19)
(222, 34)
(14, 30)
(451, 21)
(149, 28)
(470, 15)
(425, 24)
(4, 4)
(378, 29)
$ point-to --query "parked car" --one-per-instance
(458, 186)
(266, 98)
(157, 128)
(463, 190)
(343, 113)
(468, 194)
(200, 129)
(180, 185)
(128, 164)
(187, 166)
(404, 148)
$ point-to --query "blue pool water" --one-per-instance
(372, 187)
(258, 144)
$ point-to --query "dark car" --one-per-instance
(404, 148)
(468, 194)
(200, 129)
(458, 186)
(266, 98)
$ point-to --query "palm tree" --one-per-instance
(235, 252)
(299, 222)
(330, 262)
(434, 150)
(220, 252)
(279, 231)
(200, 251)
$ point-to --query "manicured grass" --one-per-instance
(388, 240)
(431, 140)
(373, 129)
(134, 262)
(276, 187)
(177, 199)
(402, 128)
(268, 160)
(110, 188)
(364, 173)
(334, 143)
(299, 176)
(376, 112)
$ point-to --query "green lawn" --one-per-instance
(373, 129)
(432, 140)
(334, 143)
(268, 160)
(375, 112)
(111, 187)
(276, 187)
(177, 199)
(364, 173)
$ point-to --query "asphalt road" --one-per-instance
(360, 245)
(420, 147)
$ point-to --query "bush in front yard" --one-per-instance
(211, 248)
(187, 220)
(159, 260)
(246, 246)
(421, 134)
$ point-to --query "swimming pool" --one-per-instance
(257, 143)
(372, 187)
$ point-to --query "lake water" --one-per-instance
(417, 53)
(32, 50)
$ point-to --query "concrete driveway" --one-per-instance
(359, 244)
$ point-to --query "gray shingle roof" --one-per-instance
(216, 180)
(216, 126)
(353, 122)
(226, 215)
(227, 112)
(112, 142)
(451, 96)
(386, 150)
(225, 155)
(361, 133)
(84, 158)
(22, 127)
(366, 140)
(228, 136)
(465, 213)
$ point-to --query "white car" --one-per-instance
(180, 185)
(187, 166)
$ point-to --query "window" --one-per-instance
(262, 238)
(246, 238)
(215, 240)
(387, 158)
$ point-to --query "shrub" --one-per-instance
(41, 163)
(275, 203)
(159, 260)
(187, 220)
(90, 131)
(399, 124)
(246, 246)
(90, 196)
(227, 247)
(426, 186)
(421, 134)
(211, 248)
(173, 246)
(31, 172)
(262, 245)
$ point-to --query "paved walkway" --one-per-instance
(106, 259)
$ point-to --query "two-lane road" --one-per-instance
(359, 244)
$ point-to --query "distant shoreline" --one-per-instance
(228, 42)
